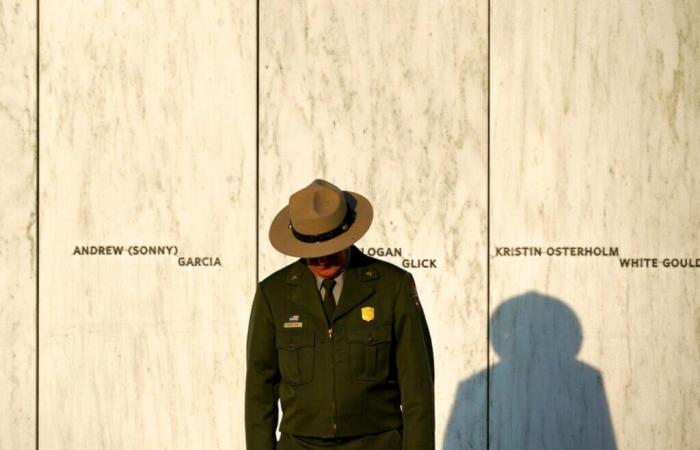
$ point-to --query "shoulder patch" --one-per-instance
(414, 295)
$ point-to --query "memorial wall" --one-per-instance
(535, 166)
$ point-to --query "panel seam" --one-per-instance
(37, 214)
(488, 224)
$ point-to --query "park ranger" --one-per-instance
(338, 337)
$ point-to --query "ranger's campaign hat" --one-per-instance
(319, 220)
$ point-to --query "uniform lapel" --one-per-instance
(303, 290)
(355, 287)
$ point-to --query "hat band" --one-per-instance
(340, 229)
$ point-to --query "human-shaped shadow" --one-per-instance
(542, 397)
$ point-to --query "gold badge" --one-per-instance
(293, 324)
(367, 313)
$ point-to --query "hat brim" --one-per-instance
(284, 241)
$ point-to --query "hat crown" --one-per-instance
(317, 208)
(319, 220)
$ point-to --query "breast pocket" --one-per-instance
(296, 357)
(370, 349)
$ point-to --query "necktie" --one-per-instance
(328, 299)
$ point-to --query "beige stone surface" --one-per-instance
(17, 224)
(595, 142)
(389, 99)
(148, 138)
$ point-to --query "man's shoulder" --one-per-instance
(385, 271)
(388, 268)
(283, 275)
(368, 268)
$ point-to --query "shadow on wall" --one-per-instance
(542, 397)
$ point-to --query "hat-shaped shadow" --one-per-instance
(541, 396)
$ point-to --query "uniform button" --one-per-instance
(291, 344)
(370, 339)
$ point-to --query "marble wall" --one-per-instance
(18, 246)
(476, 130)
(595, 142)
(147, 140)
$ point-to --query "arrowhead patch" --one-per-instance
(414, 295)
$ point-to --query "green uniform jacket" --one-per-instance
(371, 372)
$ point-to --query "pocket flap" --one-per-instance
(293, 341)
(370, 335)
